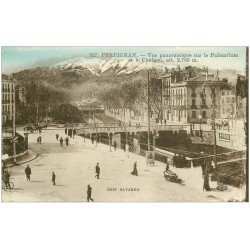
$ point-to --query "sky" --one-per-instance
(17, 58)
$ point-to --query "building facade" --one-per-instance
(227, 102)
(8, 99)
(191, 96)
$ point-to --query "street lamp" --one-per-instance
(109, 139)
(200, 117)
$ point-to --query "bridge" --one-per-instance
(115, 128)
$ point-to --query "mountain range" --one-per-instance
(81, 75)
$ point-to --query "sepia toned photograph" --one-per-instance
(124, 124)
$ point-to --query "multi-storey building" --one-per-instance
(227, 101)
(191, 96)
(8, 99)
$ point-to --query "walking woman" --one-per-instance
(206, 180)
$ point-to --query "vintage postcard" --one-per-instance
(124, 124)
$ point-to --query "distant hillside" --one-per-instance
(83, 78)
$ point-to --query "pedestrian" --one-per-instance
(40, 139)
(135, 172)
(61, 141)
(97, 170)
(66, 130)
(3, 166)
(92, 139)
(53, 178)
(57, 136)
(40, 130)
(89, 192)
(203, 167)
(167, 167)
(115, 145)
(67, 141)
(27, 172)
(6, 178)
(206, 180)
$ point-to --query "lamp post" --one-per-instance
(214, 127)
(154, 136)
(13, 102)
(200, 117)
(109, 139)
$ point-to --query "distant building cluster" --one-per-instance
(13, 95)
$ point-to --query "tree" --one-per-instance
(67, 113)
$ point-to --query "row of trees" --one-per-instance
(125, 96)
(134, 96)
(41, 98)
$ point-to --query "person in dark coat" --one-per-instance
(97, 170)
(115, 145)
(167, 167)
(53, 178)
(57, 136)
(206, 180)
(61, 141)
(89, 192)
(135, 172)
(6, 178)
(92, 139)
(66, 131)
(28, 172)
(203, 167)
(67, 141)
(3, 166)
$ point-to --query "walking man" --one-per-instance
(66, 131)
(57, 136)
(67, 141)
(115, 145)
(97, 170)
(28, 172)
(61, 141)
(53, 178)
(89, 192)
(6, 178)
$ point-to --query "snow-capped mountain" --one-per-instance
(111, 66)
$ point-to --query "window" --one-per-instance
(193, 102)
(222, 92)
(203, 102)
(193, 90)
(204, 114)
(193, 114)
